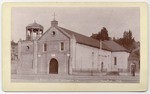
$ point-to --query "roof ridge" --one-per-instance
(83, 39)
(44, 33)
(103, 44)
(113, 46)
(78, 33)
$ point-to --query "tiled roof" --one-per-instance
(35, 25)
(113, 46)
(83, 39)
(106, 45)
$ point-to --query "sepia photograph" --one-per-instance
(75, 44)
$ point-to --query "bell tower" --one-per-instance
(34, 31)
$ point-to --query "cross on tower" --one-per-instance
(54, 15)
(54, 22)
(34, 21)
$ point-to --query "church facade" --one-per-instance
(64, 52)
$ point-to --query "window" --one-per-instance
(115, 60)
(62, 46)
(27, 48)
(45, 47)
(102, 65)
(53, 32)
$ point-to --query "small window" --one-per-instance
(45, 47)
(54, 33)
(27, 48)
(102, 66)
(62, 46)
(115, 60)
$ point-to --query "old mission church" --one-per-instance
(61, 51)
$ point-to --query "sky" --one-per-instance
(83, 20)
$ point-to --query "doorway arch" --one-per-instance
(53, 66)
(132, 67)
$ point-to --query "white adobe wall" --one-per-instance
(53, 51)
(84, 59)
(25, 56)
(122, 60)
(105, 57)
(89, 58)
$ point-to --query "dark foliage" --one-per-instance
(127, 40)
(102, 35)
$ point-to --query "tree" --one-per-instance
(114, 39)
(127, 40)
(102, 35)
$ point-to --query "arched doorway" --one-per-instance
(53, 66)
(132, 67)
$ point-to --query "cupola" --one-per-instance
(34, 31)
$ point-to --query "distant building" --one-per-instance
(64, 52)
(14, 56)
(14, 50)
(134, 57)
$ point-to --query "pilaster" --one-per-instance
(72, 54)
(35, 49)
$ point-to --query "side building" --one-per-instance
(14, 56)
